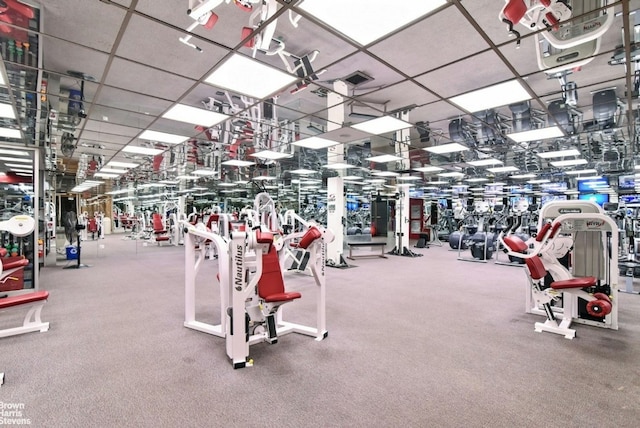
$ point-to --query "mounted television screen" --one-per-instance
(598, 198)
(626, 182)
(629, 199)
(589, 186)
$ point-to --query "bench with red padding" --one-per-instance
(158, 229)
(32, 321)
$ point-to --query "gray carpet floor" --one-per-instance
(413, 342)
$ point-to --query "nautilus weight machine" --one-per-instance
(252, 288)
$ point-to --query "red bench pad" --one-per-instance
(23, 298)
(271, 283)
(16, 263)
(587, 281)
(515, 244)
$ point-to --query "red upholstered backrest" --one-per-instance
(310, 235)
(515, 244)
(212, 218)
(157, 222)
(536, 268)
(271, 281)
(93, 225)
(514, 10)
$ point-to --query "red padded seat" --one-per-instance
(36, 296)
(271, 283)
(586, 281)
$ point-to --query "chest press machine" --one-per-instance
(252, 287)
(585, 293)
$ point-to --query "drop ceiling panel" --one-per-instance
(427, 36)
(132, 101)
(120, 117)
(227, 31)
(381, 74)
(489, 22)
(472, 73)
(111, 128)
(176, 57)
(67, 20)
(434, 112)
(174, 127)
(107, 138)
(398, 94)
(63, 56)
(128, 75)
(523, 58)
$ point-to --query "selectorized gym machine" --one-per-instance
(251, 286)
(585, 291)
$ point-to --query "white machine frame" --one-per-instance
(574, 216)
(240, 268)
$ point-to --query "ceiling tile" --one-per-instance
(128, 75)
(412, 50)
(67, 20)
(176, 57)
(467, 75)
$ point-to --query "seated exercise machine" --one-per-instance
(252, 287)
(20, 225)
(586, 291)
(160, 232)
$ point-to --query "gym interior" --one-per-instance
(319, 213)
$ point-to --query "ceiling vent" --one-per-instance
(357, 78)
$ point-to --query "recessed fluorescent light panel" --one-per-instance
(6, 110)
(141, 150)
(451, 174)
(113, 170)
(271, 155)
(385, 174)
(559, 153)
(536, 134)
(237, 162)
(382, 125)
(477, 180)
(485, 162)
(10, 133)
(119, 164)
(13, 152)
(384, 158)
(581, 171)
(105, 175)
(409, 178)
(207, 172)
(428, 169)
(570, 162)
(365, 21)
(249, 77)
(540, 181)
(194, 115)
(315, 143)
(447, 148)
(523, 176)
(494, 96)
(338, 165)
(303, 171)
(10, 159)
(502, 169)
(163, 137)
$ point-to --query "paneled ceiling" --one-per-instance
(125, 58)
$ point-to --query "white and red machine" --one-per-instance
(252, 287)
(586, 292)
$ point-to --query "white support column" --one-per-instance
(403, 207)
(335, 186)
